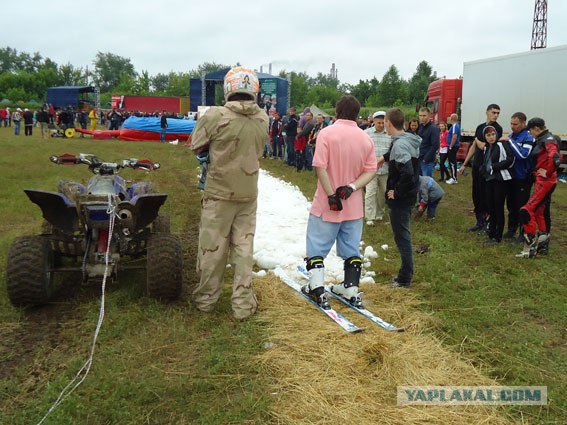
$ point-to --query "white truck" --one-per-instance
(533, 82)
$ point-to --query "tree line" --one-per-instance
(25, 77)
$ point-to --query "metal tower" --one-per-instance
(539, 30)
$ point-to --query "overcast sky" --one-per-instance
(362, 37)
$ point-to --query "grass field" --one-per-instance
(169, 364)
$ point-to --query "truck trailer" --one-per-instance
(532, 82)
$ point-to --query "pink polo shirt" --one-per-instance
(346, 152)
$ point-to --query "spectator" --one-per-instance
(443, 150)
(320, 124)
(402, 188)
(43, 119)
(413, 125)
(498, 158)
(344, 162)
(276, 129)
(163, 125)
(302, 151)
(454, 141)
(430, 195)
(375, 199)
(290, 129)
(28, 122)
(4, 117)
(93, 117)
(536, 214)
(475, 155)
(115, 119)
(521, 143)
(429, 134)
(16, 119)
(234, 134)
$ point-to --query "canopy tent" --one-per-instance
(316, 111)
(202, 91)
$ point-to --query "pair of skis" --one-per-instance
(338, 318)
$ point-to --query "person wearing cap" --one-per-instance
(375, 198)
(535, 215)
(475, 155)
(498, 160)
(233, 135)
(28, 122)
(16, 119)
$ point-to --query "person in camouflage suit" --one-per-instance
(234, 136)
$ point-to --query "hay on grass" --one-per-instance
(322, 375)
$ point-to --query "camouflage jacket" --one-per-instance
(234, 135)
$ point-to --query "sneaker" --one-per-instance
(451, 181)
(370, 223)
(397, 284)
(477, 227)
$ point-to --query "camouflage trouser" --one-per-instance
(226, 234)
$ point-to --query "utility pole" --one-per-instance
(539, 30)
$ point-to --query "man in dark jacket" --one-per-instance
(163, 125)
(401, 189)
(429, 134)
(290, 129)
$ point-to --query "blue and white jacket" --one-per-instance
(521, 145)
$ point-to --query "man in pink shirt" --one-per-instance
(344, 162)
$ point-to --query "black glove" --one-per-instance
(344, 192)
(335, 203)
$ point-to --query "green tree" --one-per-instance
(206, 68)
(110, 69)
(392, 87)
(71, 76)
(419, 82)
(160, 82)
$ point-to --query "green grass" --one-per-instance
(169, 364)
(507, 315)
(154, 363)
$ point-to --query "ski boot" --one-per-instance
(543, 244)
(530, 246)
(315, 289)
(349, 288)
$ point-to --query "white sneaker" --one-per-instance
(370, 223)
(451, 181)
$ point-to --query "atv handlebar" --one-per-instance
(98, 167)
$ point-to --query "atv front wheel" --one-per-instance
(29, 271)
(164, 267)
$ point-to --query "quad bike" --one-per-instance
(94, 230)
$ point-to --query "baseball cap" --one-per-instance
(378, 114)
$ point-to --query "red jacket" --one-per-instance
(547, 155)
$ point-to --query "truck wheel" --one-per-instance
(164, 266)
(162, 224)
(29, 275)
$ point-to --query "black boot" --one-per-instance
(349, 288)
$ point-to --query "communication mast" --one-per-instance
(539, 30)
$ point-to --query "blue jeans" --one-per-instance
(426, 169)
(400, 221)
(162, 134)
(289, 140)
(321, 235)
(309, 157)
(17, 128)
(432, 208)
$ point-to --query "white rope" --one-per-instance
(83, 372)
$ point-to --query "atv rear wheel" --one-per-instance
(164, 267)
(29, 275)
(162, 224)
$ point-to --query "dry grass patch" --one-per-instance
(322, 375)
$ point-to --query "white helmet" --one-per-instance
(241, 80)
